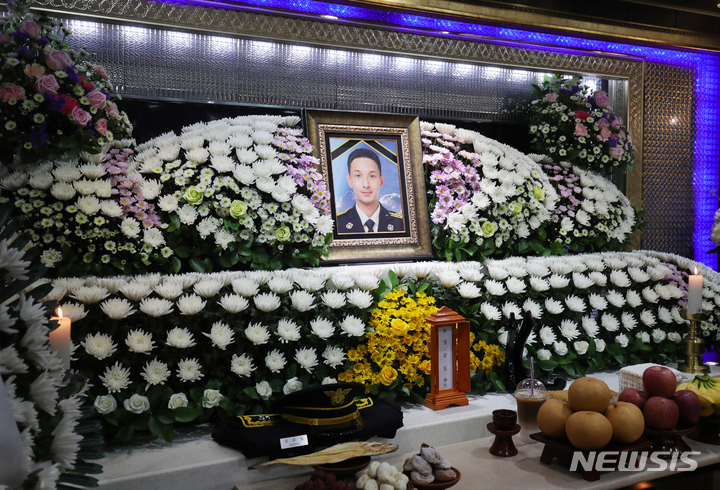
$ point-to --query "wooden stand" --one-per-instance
(563, 450)
(456, 355)
(503, 445)
(668, 441)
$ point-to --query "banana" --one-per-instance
(682, 386)
(707, 404)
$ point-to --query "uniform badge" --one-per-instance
(390, 227)
(348, 226)
(338, 396)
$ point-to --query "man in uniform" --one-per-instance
(365, 178)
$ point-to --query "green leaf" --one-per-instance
(165, 416)
(393, 279)
(183, 252)
(125, 433)
(79, 480)
(65, 142)
(161, 430)
(251, 392)
(547, 365)
(197, 264)
(614, 349)
(186, 414)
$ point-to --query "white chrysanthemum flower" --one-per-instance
(116, 378)
(361, 299)
(597, 302)
(620, 279)
(536, 268)
(43, 392)
(449, 278)
(168, 203)
(367, 282)
(130, 227)
(288, 331)
(233, 303)
(189, 370)
(615, 298)
(638, 275)
(589, 324)
(553, 306)
(135, 291)
(280, 285)
(140, 342)
(311, 282)
(74, 311)
(117, 309)
(558, 282)
(257, 334)
(87, 295)
(538, 284)
(676, 316)
(322, 328)
(267, 302)
(302, 300)
(352, 326)
(11, 362)
(609, 322)
(89, 205)
(187, 214)
(544, 354)
(66, 442)
(664, 315)
(469, 290)
(598, 278)
(634, 299)
(658, 335)
(99, 345)
(169, 289)
(180, 338)
(221, 335)
(333, 299)
(650, 295)
(343, 281)
(207, 288)
(156, 307)
(495, 288)
(242, 365)
(569, 329)
(547, 336)
(648, 318)
(490, 312)
(575, 303)
(497, 272)
(245, 287)
(155, 372)
(581, 281)
(306, 358)
(334, 356)
(515, 285)
(512, 311)
(190, 304)
(534, 308)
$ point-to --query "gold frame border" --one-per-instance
(418, 245)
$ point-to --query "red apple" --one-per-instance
(631, 395)
(661, 413)
(689, 405)
(659, 381)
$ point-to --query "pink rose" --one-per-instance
(112, 111)
(97, 99)
(621, 134)
(31, 27)
(47, 84)
(580, 130)
(5, 38)
(80, 117)
(602, 101)
(599, 93)
(616, 123)
(605, 134)
(101, 127)
(11, 91)
(101, 71)
(551, 97)
(616, 152)
(603, 123)
(57, 59)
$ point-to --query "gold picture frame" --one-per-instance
(404, 233)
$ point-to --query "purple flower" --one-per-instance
(22, 35)
(38, 135)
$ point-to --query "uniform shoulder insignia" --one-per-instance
(396, 215)
(348, 209)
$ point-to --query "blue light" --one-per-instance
(705, 67)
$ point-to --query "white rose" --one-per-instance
(599, 345)
(560, 348)
(137, 404)
(544, 354)
(178, 400)
(263, 390)
(622, 340)
(105, 404)
(292, 385)
(581, 347)
(658, 335)
(212, 398)
(328, 381)
(644, 336)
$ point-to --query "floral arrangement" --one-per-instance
(591, 215)
(52, 100)
(87, 218)
(48, 419)
(568, 123)
(485, 198)
(254, 335)
(395, 354)
(239, 191)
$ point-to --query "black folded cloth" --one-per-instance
(326, 415)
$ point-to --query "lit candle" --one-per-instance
(60, 338)
(695, 293)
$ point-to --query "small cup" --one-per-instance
(504, 419)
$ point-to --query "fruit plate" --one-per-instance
(436, 485)
(668, 442)
(563, 450)
(345, 468)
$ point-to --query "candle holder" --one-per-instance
(694, 345)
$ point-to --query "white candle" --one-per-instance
(695, 293)
(60, 338)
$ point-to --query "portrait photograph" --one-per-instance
(372, 165)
